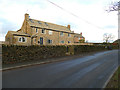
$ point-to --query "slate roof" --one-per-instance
(18, 33)
(47, 25)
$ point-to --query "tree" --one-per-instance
(107, 37)
(114, 6)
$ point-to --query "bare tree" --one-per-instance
(108, 37)
(114, 6)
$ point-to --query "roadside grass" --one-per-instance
(114, 81)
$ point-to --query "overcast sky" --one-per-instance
(91, 18)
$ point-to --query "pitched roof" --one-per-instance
(47, 25)
(18, 33)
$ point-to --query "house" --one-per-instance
(36, 32)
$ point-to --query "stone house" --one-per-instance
(36, 32)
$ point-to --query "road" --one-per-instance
(86, 72)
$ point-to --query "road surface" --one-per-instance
(86, 72)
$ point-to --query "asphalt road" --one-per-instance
(86, 72)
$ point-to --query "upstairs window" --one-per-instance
(36, 30)
(22, 39)
(46, 24)
(31, 20)
(69, 35)
(49, 41)
(61, 33)
(43, 31)
(39, 22)
(50, 32)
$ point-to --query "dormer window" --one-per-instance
(46, 24)
(31, 20)
(39, 22)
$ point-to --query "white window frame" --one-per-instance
(22, 39)
(19, 39)
(50, 32)
(44, 31)
(36, 30)
(51, 41)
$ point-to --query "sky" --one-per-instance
(87, 16)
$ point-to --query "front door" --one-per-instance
(41, 40)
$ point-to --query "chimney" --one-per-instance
(72, 31)
(26, 16)
(68, 27)
(81, 33)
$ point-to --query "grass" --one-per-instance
(114, 81)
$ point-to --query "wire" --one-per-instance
(75, 15)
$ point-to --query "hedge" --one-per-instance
(87, 48)
(14, 54)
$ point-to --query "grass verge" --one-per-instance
(114, 82)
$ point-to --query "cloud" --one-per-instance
(110, 27)
(12, 15)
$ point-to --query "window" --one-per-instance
(34, 40)
(69, 41)
(61, 41)
(22, 39)
(39, 22)
(50, 32)
(36, 30)
(49, 41)
(43, 30)
(31, 20)
(7, 39)
(46, 24)
(61, 33)
(69, 35)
